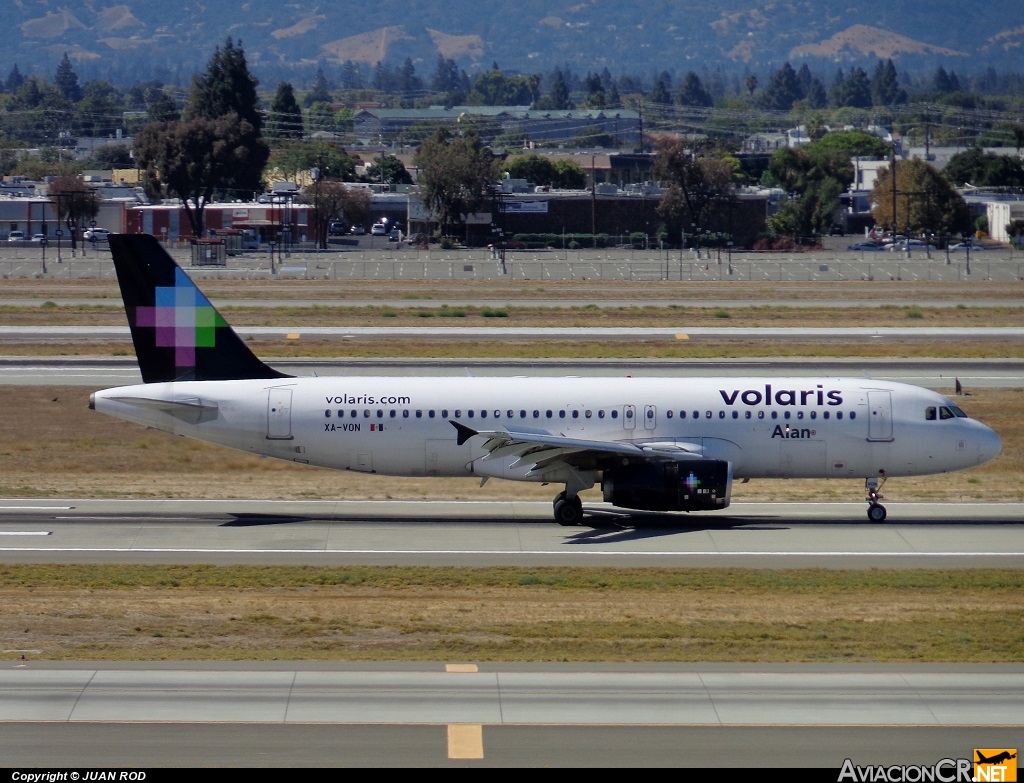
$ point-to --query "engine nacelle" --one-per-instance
(694, 485)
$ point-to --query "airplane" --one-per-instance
(653, 444)
(999, 758)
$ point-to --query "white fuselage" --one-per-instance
(764, 426)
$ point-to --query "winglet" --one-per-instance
(465, 433)
(178, 334)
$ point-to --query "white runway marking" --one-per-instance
(477, 552)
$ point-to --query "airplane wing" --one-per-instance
(545, 450)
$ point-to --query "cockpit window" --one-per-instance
(945, 413)
(957, 412)
(929, 413)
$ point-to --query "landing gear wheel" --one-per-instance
(876, 512)
(568, 511)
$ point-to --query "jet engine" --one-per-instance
(694, 485)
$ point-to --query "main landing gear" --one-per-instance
(873, 486)
(568, 510)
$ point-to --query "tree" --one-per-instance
(559, 93)
(285, 120)
(535, 169)
(389, 169)
(67, 80)
(815, 176)
(161, 107)
(14, 80)
(74, 203)
(332, 200)
(885, 86)
(854, 143)
(227, 87)
(455, 174)
(692, 93)
(693, 184)
(569, 175)
(321, 92)
(924, 199)
(660, 91)
(112, 156)
(854, 91)
(194, 159)
(783, 90)
(984, 169)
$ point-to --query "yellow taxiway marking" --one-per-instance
(465, 741)
(292, 336)
(682, 337)
(461, 668)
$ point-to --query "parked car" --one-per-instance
(336, 229)
(836, 230)
(961, 247)
(358, 231)
(395, 235)
(379, 230)
(38, 238)
(868, 246)
(96, 235)
(909, 244)
(16, 236)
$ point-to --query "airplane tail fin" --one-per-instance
(178, 334)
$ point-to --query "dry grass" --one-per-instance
(207, 613)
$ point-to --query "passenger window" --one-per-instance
(814, 414)
(405, 414)
(682, 414)
(760, 414)
(536, 414)
(548, 414)
(735, 414)
(786, 415)
(561, 414)
(615, 414)
(458, 414)
(380, 413)
(839, 414)
(327, 413)
(853, 414)
(575, 414)
(775, 414)
(707, 415)
(600, 414)
(419, 414)
(393, 413)
(721, 414)
(366, 413)
(825, 415)
(746, 415)
(522, 414)
(799, 414)
(444, 413)
(588, 414)
(668, 414)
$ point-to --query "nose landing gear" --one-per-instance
(873, 486)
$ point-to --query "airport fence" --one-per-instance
(612, 265)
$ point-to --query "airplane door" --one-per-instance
(650, 417)
(629, 417)
(880, 413)
(279, 414)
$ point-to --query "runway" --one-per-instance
(503, 715)
(473, 533)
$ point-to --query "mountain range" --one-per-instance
(145, 39)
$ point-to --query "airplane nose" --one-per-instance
(990, 445)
